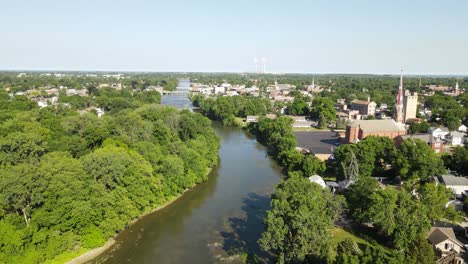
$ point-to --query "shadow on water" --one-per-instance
(246, 231)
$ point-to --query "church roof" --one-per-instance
(378, 125)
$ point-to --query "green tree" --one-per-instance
(415, 160)
(299, 223)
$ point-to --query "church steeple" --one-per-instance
(398, 111)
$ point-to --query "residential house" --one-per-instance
(440, 132)
(360, 129)
(458, 185)
(447, 247)
(456, 138)
(462, 128)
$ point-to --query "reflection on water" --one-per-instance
(212, 222)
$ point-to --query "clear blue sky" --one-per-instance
(328, 36)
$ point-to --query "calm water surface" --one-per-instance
(214, 220)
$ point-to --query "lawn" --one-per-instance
(340, 234)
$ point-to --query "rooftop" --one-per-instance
(454, 180)
(377, 125)
(440, 234)
(317, 142)
(361, 102)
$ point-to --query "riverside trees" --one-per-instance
(298, 225)
(69, 181)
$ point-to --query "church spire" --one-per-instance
(398, 115)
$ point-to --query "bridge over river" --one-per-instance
(177, 92)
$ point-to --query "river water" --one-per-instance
(215, 220)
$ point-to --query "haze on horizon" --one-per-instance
(356, 36)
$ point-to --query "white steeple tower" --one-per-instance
(398, 111)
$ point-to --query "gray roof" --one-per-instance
(431, 129)
(454, 180)
(378, 125)
(440, 234)
(424, 137)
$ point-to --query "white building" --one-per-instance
(456, 138)
(458, 185)
(440, 132)
(462, 128)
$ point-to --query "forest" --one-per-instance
(71, 181)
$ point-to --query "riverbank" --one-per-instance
(83, 257)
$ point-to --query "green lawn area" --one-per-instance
(339, 234)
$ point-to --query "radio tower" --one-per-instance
(398, 112)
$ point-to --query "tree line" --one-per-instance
(69, 182)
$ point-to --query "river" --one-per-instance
(215, 219)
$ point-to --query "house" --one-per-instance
(458, 185)
(364, 107)
(439, 132)
(360, 129)
(446, 245)
(462, 128)
(219, 90)
(434, 142)
(456, 138)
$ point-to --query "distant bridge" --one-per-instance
(177, 92)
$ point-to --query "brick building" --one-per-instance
(360, 129)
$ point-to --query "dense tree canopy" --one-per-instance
(70, 181)
(298, 225)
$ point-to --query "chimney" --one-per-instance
(368, 98)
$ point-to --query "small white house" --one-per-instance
(462, 128)
(439, 132)
(456, 138)
(458, 185)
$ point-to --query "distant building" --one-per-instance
(410, 104)
(405, 105)
(360, 129)
(364, 107)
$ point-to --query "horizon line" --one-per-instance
(237, 72)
